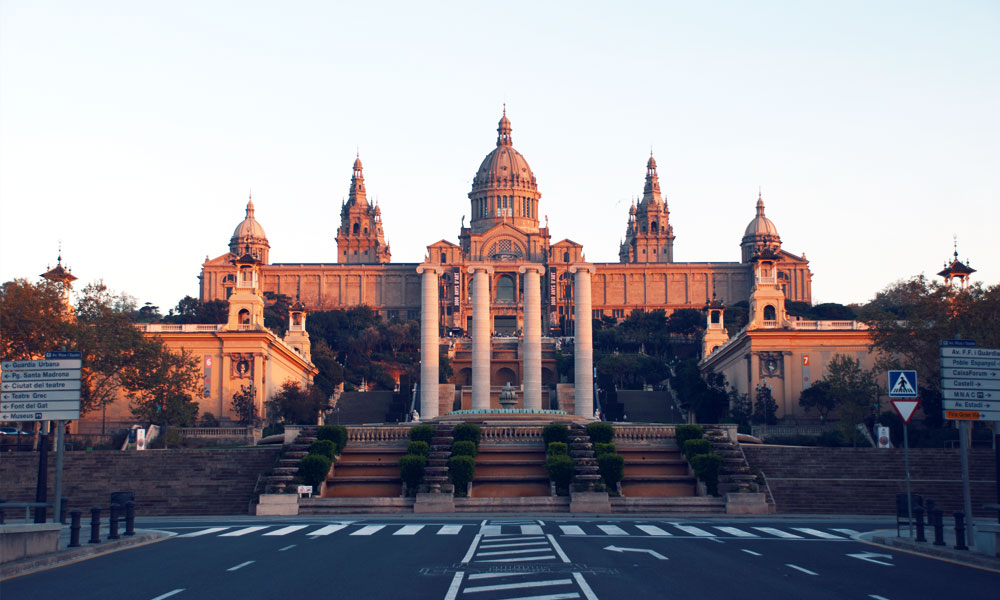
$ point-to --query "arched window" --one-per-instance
(769, 314)
(715, 316)
(565, 256)
(505, 289)
(444, 257)
(357, 227)
(244, 317)
(653, 227)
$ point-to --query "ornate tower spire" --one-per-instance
(360, 238)
(503, 130)
(357, 193)
(649, 237)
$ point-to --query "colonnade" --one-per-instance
(482, 334)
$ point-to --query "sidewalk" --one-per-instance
(66, 555)
(887, 538)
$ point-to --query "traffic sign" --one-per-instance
(962, 415)
(31, 365)
(20, 386)
(978, 363)
(38, 375)
(970, 384)
(949, 352)
(40, 405)
(958, 343)
(63, 354)
(902, 384)
(953, 373)
(40, 396)
(47, 415)
(905, 408)
(970, 395)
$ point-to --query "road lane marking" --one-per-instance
(490, 529)
(203, 532)
(369, 529)
(571, 530)
(531, 530)
(495, 575)
(244, 531)
(327, 530)
(493, 541)
(872, 596)
(517, 586)
(652, 530)
(695, 531)
(558, 549)
(449, 530)
(472, 548)
(736, 532)
(514, 545)
(584, 587)
(778, 532)
(519, 559)
(751, 552)
(286, 548)
(408, 530)
(612, 530)
(818, 533)
(169, 594)
(286, 530)
(847, 532)
(522, 551)
(798, 568)
(240, 566)
(456, 582)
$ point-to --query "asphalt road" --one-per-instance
(541, 558)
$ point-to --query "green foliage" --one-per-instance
(270, 429)
(411, 470)
(192, 310)
(854, 391)
(335, 433)
(323, 448)
(600, 433)
(461, 470)
(244, 406)
(612, 469)
(741, 410)
(601, 448)
(706, 467)
(557, 448)
(706, 395)
(686, 321)
(467, 432)
(560, 470)
(463, 448)
(418, 448)
(829, 311)
(765, 408)
(683, 433)
(208, 420)
(695, 447)
(34, 320)
(313, 469)
(295, 403)
(422, 433)
(831, 439)
(555, 432)
(818, 396)
(630, 371)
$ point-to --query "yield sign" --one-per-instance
(905, 407)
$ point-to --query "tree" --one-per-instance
(192, 310)
(854, 392)
(34, 319)
(161, 385)
(706, 396)
(765, 408)
(686, 321)
(244, 406)
(295, 403)
(818, 396)
(177, 410)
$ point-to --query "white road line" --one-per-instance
(240, 566)
(584, 587)
(522, 551)
(493, 541)
(531, 530)
(514, 545)
(369, 529)
(751, 552)
(736, 532)
(558, 549)
(203, 532)
(456, 582)
(286, 530)
(472, 548)
(449, 530)
(818, 533)
(490, 529)
(174, 592)
(327, 530)
(651, 530)
(778, 532)
(286, 548)
(612, 530)
(495, 575)
(798, 568)
(872, 596)
(571, 529)
(244, 531)
(516, 586)
(695, 531)
(519, 559)
(847, 532)
(408, 530)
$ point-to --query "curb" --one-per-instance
(968, 558)
(67, 556)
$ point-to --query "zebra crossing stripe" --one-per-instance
(487, 530)
(695, 531)
(369, 529)
(778, 533)
(847, 532)
(517, 586)
(327, 530)
(522, 551)
(736, 532)
(408, 530)
(519, 559)
(515, 544)
(244, 531)
(204, 532)
(475, 576)
(818, 533)
(612, 530)
(571, 530)
(531, 530)
(509, 539)
(286, 530)
(651, 530)
(449, 530)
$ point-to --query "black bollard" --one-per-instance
(960, 531)
(95, 525)
(130, 518)
(937, 520)
(918, 518)
(929, 505)
(63, 510)
(74, 528)
(113, 522)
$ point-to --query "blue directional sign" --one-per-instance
(902, 384)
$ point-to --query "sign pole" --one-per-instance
(41, 487)
(60, 443)
(964, 430)
(906, 460)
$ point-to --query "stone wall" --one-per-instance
(866, 480)
(165, 482)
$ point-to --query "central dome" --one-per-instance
(504, 189)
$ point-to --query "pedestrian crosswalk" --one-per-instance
(528, 531)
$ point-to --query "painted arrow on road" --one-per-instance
(646, 550)
(870, 557)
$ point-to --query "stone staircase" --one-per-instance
(586, 474)
(734, 474)
(279, 480)
(510, 472)
(436, 473)
(366, 472)
(656, 472)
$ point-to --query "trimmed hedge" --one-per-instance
(695, 447)
(335, 433)
(600, 433)
(601, 449)
(560, 470)
(323, 448)
(612, 469)
(555, 432)
(313, 470)
(418, 448)
(463, 448)
(706, 467)
(467, 432)
(557, 448)
(683, 433)
(461, 470)
(411, 470)
(422, 433)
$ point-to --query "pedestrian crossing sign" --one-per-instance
(902, 384)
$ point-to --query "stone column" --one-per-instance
(481, 331)
(532, 345)
(430, 340)
(583, 341)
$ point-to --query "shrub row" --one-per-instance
(334, 433)
(462, 464)
(706, 464)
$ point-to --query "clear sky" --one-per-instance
(133, 131)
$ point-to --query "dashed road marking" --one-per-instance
(818, 533)
(798, 568)
(751, 552)
(286, 530)
(612, 530)
(369, 529)
(571, 530)
(327, 530)
(531, 530)
(736, 532)
(778, 533)
(408, 530)
(456, 583)
(208, 531)
(847, 532)
(652, 530)
(286, 548)
(449, 530)
(169, 594)
(244, 531)
(240, 566)
(695, 531)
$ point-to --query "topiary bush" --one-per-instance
(335, 433)
(418, 448)
(411, 471)
(706, 467)
(467, 432)
(422, 433)
(463, 448)
(323, 448)
(313, 469)
(557, 449)
(612, 469)
(560, 470)
(695, 447)
(555, 432)
(684, 433)
(602, 449)
(600, 433)
(461, 470)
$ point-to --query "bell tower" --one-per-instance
(360, 239)
(715, 329)
(297, 337)
(246, 306)
(649, 237)
(767, 301)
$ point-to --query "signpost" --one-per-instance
(903, 395)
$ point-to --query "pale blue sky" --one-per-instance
(132, 131)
